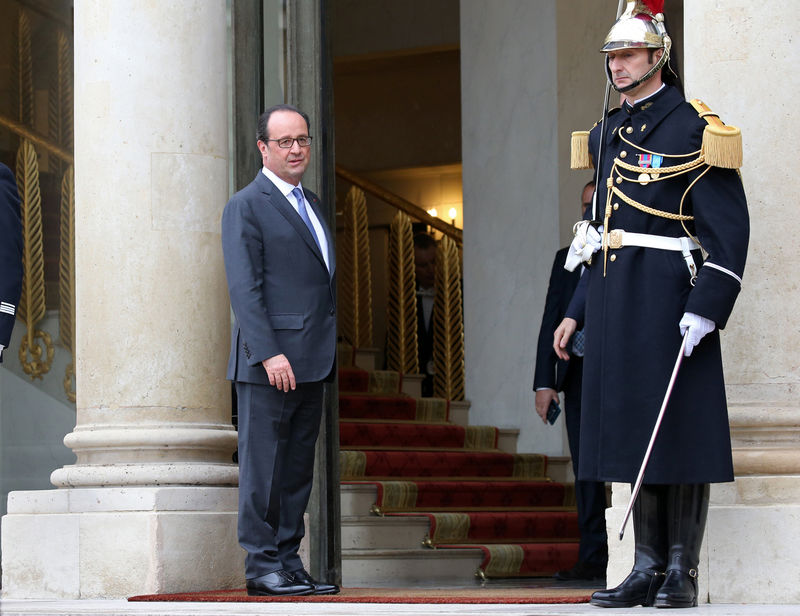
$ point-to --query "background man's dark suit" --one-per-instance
(10, 254)
(561, 375)
(283, 299)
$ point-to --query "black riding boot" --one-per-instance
(687, 510)
(650, 557)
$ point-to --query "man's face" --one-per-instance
(586, 198)
(289, 164)
(425, 266)
(628, 65)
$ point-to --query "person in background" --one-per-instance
(425, 270)
(552, 375)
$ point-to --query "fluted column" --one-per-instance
(742, 61)
(150, 505)
(151, 177)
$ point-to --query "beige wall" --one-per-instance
(582, 25)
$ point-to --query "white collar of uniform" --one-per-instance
(283, 186)
(639, 100)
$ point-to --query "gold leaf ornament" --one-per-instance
(355, 282)
(32, 307)
(401, 312)
(448, 327)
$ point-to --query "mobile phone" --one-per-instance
(553, 412)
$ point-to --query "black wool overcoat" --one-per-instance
(631, 311)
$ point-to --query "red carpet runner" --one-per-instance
(392, 595)
(473, 494)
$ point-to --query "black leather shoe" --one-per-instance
(301, 576)
(277, 583)
(582, 571)
(639, 588)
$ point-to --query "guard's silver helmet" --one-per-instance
(640, 26)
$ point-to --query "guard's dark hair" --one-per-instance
(263, 120)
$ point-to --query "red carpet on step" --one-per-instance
(407, 463)
(455, 495)
(503, 526)
(360, 406)
(394, 595)
(358, 434)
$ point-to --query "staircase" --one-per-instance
(428, 499)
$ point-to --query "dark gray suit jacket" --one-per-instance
(283, 296)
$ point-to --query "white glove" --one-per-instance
(697, 327)
(587, 242)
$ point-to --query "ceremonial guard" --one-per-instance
(10, 255)
(665, 248)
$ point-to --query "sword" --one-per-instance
(637, 486)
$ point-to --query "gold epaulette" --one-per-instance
(722, 144)
(580, 158)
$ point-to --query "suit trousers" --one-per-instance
(590, 496)
(277, 438)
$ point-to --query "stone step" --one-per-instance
(507, 439)
(375, 568)
(357, 499)
(372, 532)
(459, 412)
(412, 385)
(559, 468)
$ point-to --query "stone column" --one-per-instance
(510, 181)
(742, 61)
(150, 505)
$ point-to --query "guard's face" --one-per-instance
(289, 164)
(628, 65)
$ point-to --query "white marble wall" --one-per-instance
(751, 79)
(742, 61)
(511, 220)
(531, 74)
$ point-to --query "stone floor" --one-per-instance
(123, 608)
(118, 607)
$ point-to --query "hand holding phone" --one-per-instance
(553, 412)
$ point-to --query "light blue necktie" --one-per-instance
(301, 208)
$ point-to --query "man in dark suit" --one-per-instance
(551, 376)
(10, 255)
(280, 268)
(425, 272)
